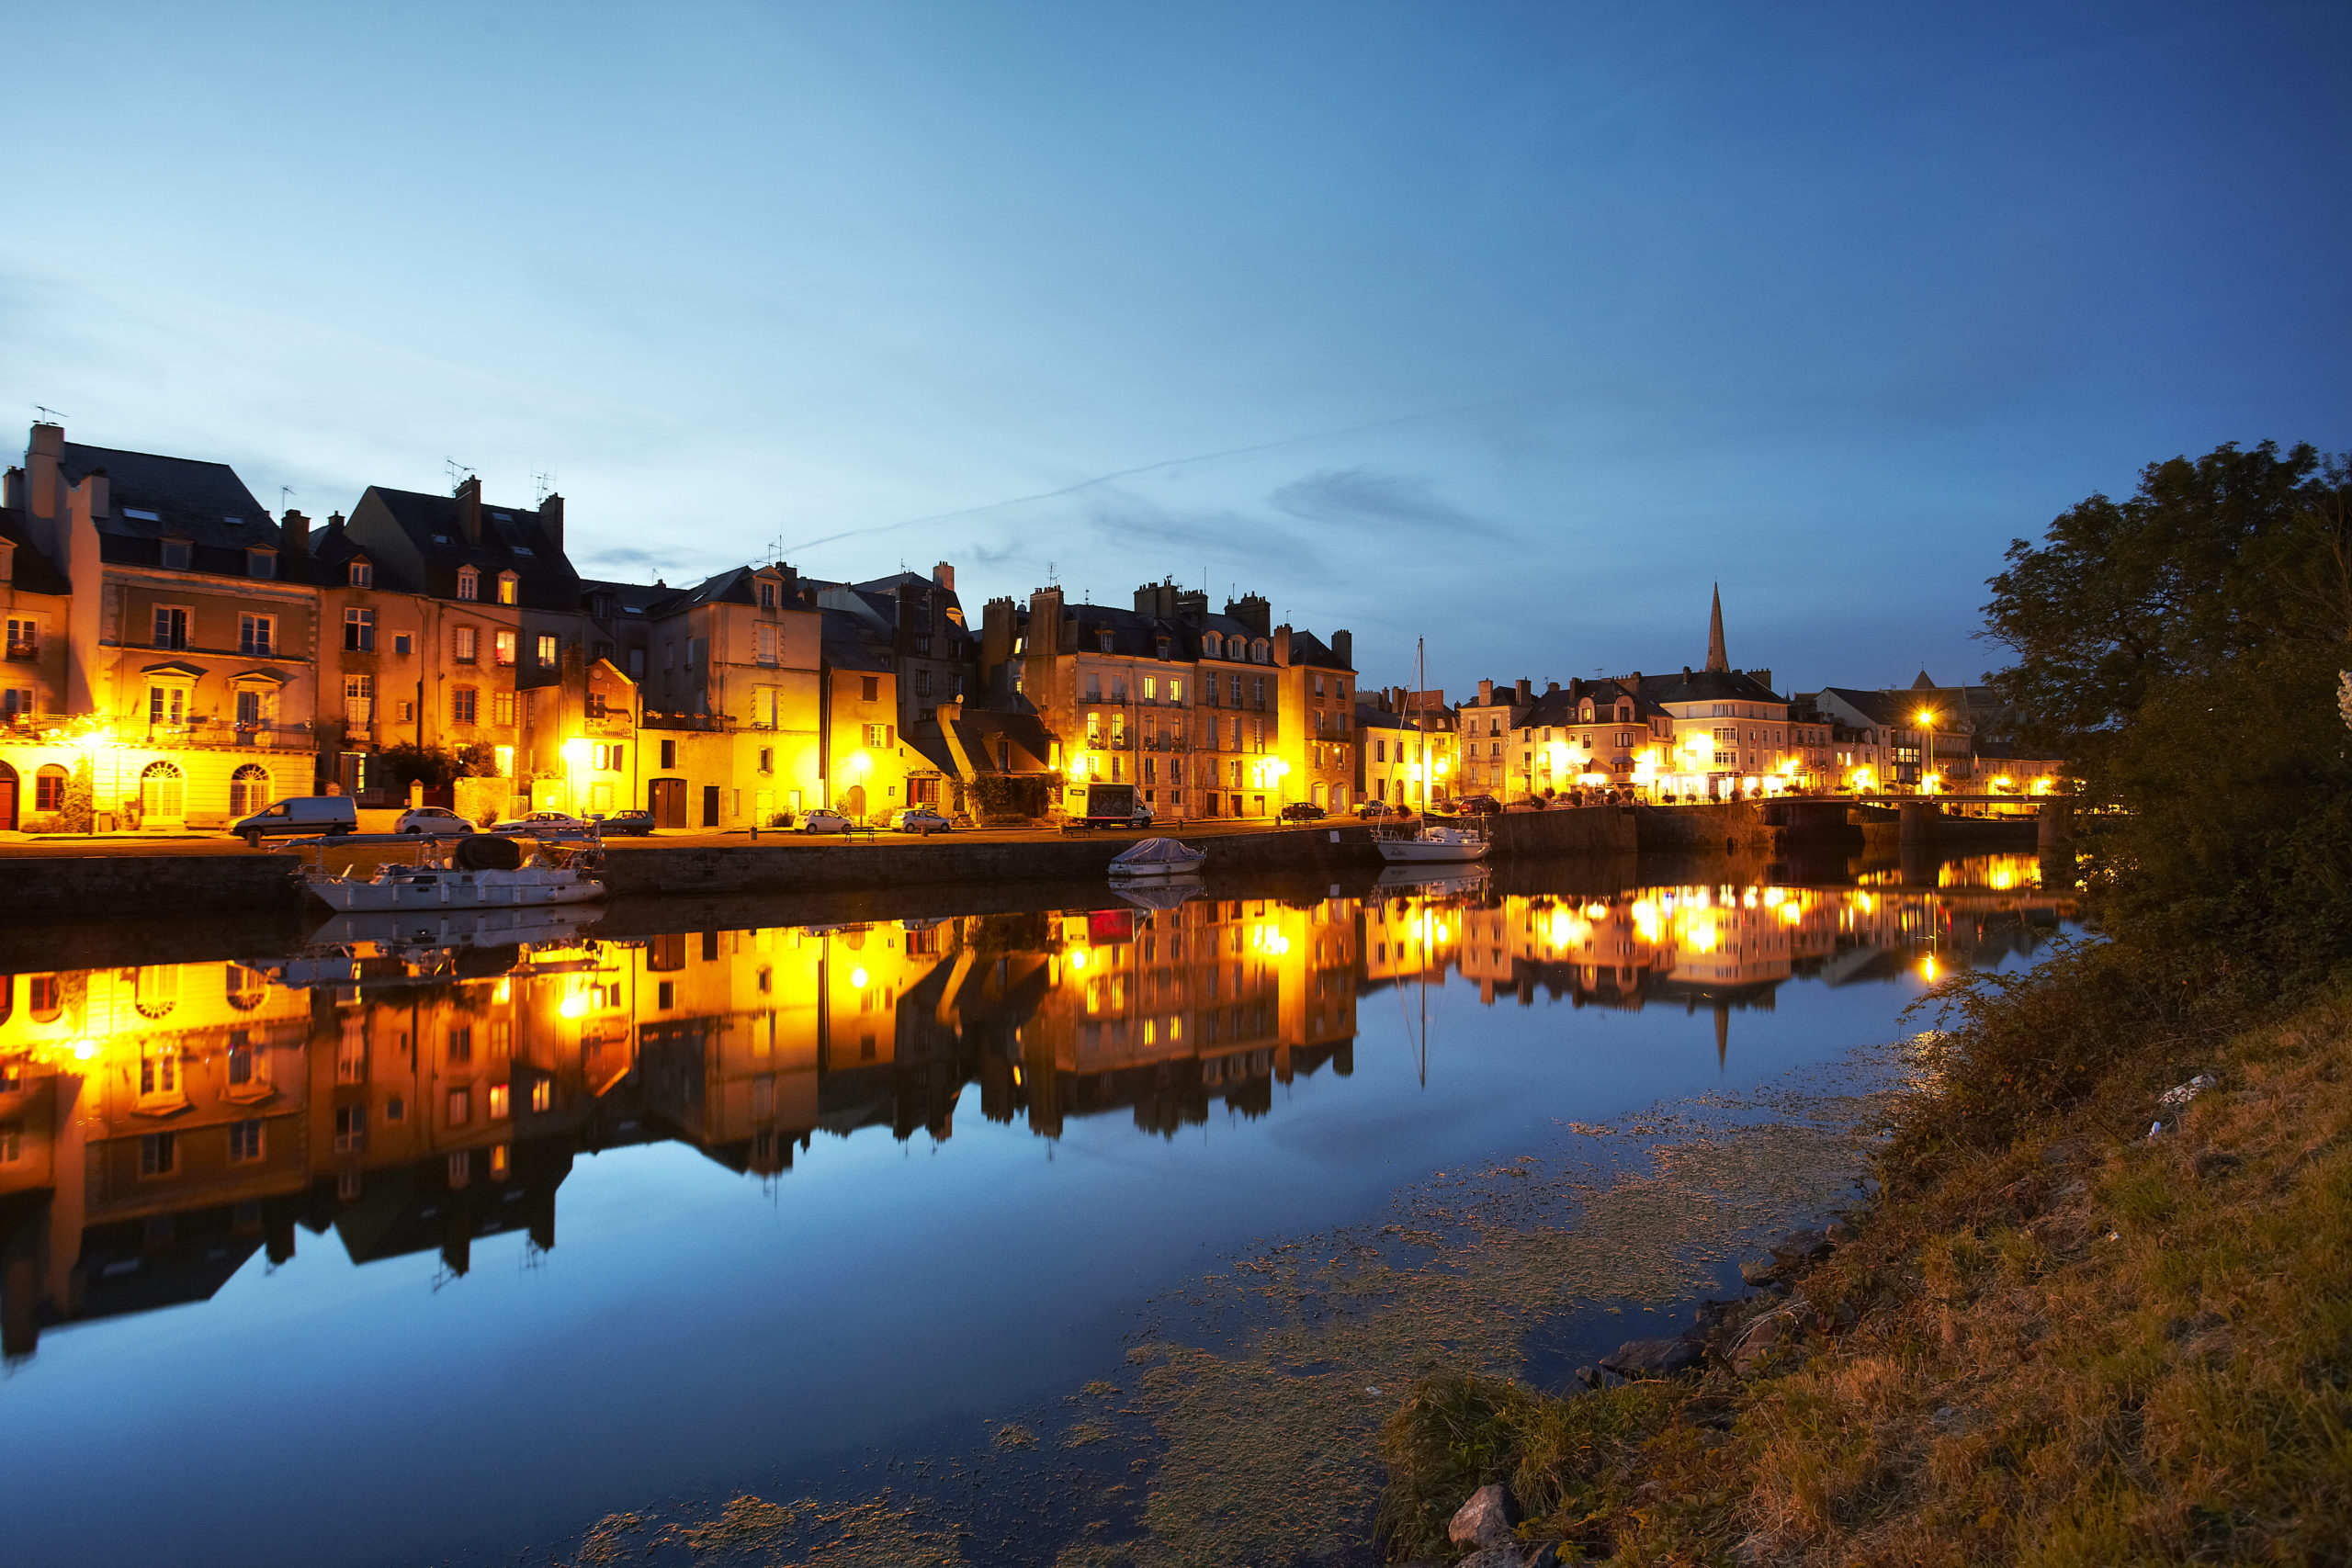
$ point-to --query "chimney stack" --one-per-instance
(334, 523)
(943, 576)
(100, 487)
(43, 455)
(294, 530)
(1485, 694)
(1526, 693)
(470, 508)
(14, 495)
(552, 520)
(1343, 649)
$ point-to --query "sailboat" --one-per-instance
(1431, 841)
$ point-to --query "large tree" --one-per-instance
(2182, 646)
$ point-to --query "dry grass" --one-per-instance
(2085, 1347)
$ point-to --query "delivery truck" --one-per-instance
(1111, 805)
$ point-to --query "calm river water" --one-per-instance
(387, 1250)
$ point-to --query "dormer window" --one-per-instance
(767, 595)
(508, 582)
(363, 574)
(469, 584)
(1105, 636)
(1261, 651)
(261, 563)
(177, 554)
(1212, 646)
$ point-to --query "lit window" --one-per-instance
(549, 651)
(469, 584)
(506, 588)
(498, 1102)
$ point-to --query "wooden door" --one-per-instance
(666, 798)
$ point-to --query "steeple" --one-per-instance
(1717, 660)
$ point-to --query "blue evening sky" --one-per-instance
(1510, 325)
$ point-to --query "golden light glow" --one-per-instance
(1078, 958)
(575, 752)
(1928, 968)
(1927, 719)
(857, 978)
(574, 1004)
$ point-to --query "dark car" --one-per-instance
(1479, 806)
(636, 824)
(1302, 811)
(1373, 808)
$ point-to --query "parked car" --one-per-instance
(919, 819)
(1375, 808)
(1302, 811)
(636, 824)
(299, 815)
(1479, 806)
(541, 822)
(824, 822)
(432, 822)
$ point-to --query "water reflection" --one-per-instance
(413, 1088)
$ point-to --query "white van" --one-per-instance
(298, 815)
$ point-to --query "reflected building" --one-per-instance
(161, 1125)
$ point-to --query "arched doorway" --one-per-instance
(248, 790)
(853, 802)
(7, 797)
(162, 794)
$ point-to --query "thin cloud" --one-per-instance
(1360, 496)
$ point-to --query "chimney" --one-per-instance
(1281, 647)
(295, 531)
(1193, 604)
(1526, 694)
(13, 496)
(552, 520)
(1044, 623)
(99, 487)
(1343, 649)
(1765, 676)
(334, 524)
(1685, 672)
(1485, 694)
(1550, 687)
(470, 508)
(42, 455)
(1252, 610)
(943, 576)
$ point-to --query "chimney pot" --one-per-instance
(945, 576)
(468, 498)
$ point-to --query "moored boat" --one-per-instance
(1435, 844)
(482, 873)
(1157, 858)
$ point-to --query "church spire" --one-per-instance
(1716, 659)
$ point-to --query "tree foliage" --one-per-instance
(435, 766)
(2182, 646)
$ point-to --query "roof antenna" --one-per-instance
(459, 472)
(283, 493)
(542, 487)
(48, 415)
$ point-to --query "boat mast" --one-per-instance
(1420, 741)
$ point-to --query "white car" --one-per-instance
(541, 822)
(919, 819)
(432, 822)
(823, 822)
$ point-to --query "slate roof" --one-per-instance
(35, 573)
(1312, 651)
(205, 503)
(1709, 686)
(332, 553)
(1434, 720)
(512, 540)
(850, 642)
(1886, 709)
(978, 729)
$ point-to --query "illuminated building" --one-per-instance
(1406, 741)
(1208, 715)
(183, 672)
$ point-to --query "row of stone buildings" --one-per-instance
(177, 658)
(1695, 733)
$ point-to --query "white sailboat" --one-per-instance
(1430, 843)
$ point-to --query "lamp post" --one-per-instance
(1927, 719)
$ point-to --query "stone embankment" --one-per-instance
(110, 886)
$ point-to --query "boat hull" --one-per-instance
(1418, 851)
(452, 891)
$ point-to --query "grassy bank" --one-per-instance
(2054, 1339)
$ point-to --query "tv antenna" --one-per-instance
(284, 493)
(1051, 580)
(542, 487)
(48, 415)
(459, 472)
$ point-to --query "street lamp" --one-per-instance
(1926, 718)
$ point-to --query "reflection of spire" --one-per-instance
(1717, 660)
(1723, 1034)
